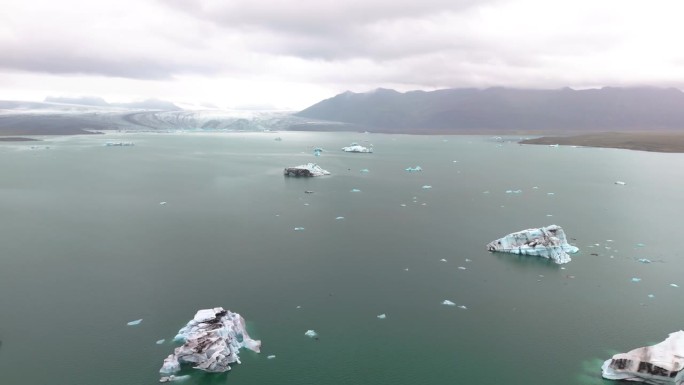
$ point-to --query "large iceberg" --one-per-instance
(547, 242)
(658, 364)
(309, 169)
(355, 147)
(211, 341)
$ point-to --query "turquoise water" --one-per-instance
(86, 247)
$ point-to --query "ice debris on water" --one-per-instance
(636, 279)
(364, 170)
(448, 303)
(318, 151)
(442, 260)
(427, 187)
(461, 268)
(311, 333)
(355, 147)
(298, 229)
(173, 378)
(211, 341)
(162, 203)
(550, 193)
(306, 170)
(355, 190)
(674, 285)
(651, 296)
(640, 245)
(272, 356)
(619, 182)
(414, 169)
(513, 191)
(547, 242)
(462, 307)
(339, 218)
(644, 260)
(133, 323)
(161, 341)
(382, 316)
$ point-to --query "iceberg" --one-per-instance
(211, 341)
(448, 303)
(173, 378)
(311, 333)
(355, 147)
(382, 316)
(658, 364)
(414, 169)
(548, 242)
(309, 169)
(133, 323)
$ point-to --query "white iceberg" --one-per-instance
(382, 316)
(448, 303)
(658, 364)
(212, 340)
(133, 323)
(355, 147)
(311, 333)
(414, 169)
(309, 169)
(548, 242)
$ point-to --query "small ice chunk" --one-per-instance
(311, 333)
(535, 188)
(461, 268)
(403, 205)
(468, 260)
(414, 169)
(364, 170)
(551, 193)
(133, 323)
(619, 182)
(644, 260)
(161, 341)
(462, 307)
(382, 316)
(443, 260)
(355, 190)
(298, 229)
(272, 356)
(339, 218)
(299, 306)
(640, 245)
(427, 187)
(674, 285)
(549, 215)
(636, 279)
(162, 203)
(651, 296)
(406, 269)
(513, 191)
(173, 378)
(486, 192)
(448, 303)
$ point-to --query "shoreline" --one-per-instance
(660, 141)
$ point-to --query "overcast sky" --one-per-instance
(293, 53)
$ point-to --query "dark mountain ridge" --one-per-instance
(506, 109)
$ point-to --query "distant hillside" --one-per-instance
(503, 109)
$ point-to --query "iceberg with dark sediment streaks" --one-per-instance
(547, 242)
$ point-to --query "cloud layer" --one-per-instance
(329, 46)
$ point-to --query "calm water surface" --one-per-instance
(86, 247)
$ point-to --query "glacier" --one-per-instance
(211, 341)
(657, 364)
(548, 242)
(309, 169)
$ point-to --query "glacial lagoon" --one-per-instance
(94, 237)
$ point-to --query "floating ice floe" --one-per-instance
(660, 364)
(621, 183)
(550, 193)
(161, 341)
(272, 356)
(448, 303)
(339, 218)
(119, 144)
(311, 333)
(309, 169)
(651, 296)
(133, 323)
(513, 191)
(547, 242)
(461, 268)
(462, 307)
(382, 316)
(414, 169)
(173, 378)
(442, 260)
(211, 342)
(355, 190)
(674, 285)
(318, 151)
(644, 260)
(298, 229)
(636, 279)
(364, 170)
(162, 203)
(427, 187)
(355, 147)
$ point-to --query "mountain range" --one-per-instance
(506, 110)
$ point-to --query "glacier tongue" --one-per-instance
(658, 364)
(212, 340)
(548, 242)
